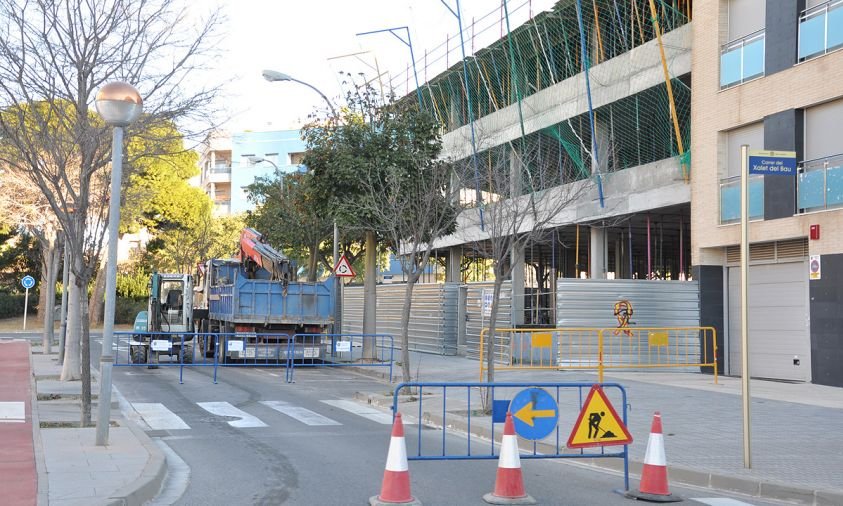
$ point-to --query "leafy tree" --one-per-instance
(373, 144)
(181, 247)
(287, 215)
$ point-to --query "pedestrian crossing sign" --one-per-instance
(598, 423)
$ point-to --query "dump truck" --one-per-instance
(256, 303)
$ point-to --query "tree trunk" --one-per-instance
(490, 339)
(405, 326)
(97, 302)
(370, 297)
(49, 288)
(71, 367)
(65, 283)
(312, 262)
(86, 361)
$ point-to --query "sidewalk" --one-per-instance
(797, 454)
(128, 471)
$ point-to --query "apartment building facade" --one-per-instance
(769, 74)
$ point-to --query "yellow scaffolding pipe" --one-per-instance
(669, 89)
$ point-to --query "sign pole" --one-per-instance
(747, 458)
(25, 307)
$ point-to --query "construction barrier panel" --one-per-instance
(600, 348)
(465, 412)
(341, 350)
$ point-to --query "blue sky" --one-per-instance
(310, 40)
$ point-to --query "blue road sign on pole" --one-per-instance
(534, 412)
(774, 163)
(27, 282)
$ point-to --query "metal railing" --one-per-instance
(742, 60)
(820, 29)
(601, 348)
(820, 184)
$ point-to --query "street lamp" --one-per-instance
(275, 76)
(119, 104)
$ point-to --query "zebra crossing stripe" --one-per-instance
(303, 415)
(12, 411)
(158, 417)
(361, 410)
(225, 409)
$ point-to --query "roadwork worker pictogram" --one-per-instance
(623, 312)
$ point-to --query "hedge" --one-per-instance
(11, 305)
(127, 309)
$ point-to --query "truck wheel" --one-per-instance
(138, 355)
(186, 354)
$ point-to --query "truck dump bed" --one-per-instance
(262, 301)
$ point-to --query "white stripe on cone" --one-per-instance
(396, 459)
(655, 451)
(509, 458)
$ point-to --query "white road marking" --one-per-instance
(12, 411)
(225, 409)
(303, 415)
(720, 501)
(361, 410)
(158, 417)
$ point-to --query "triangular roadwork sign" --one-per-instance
(598, 423)
(343, 268)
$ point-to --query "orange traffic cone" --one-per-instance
(396, 477)
(653, 486)
(509, 484)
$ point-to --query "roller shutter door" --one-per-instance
(779, 327)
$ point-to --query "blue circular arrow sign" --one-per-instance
(534, 412)
(27, 282)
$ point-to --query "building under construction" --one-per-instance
(593, 95)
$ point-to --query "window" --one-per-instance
(820, 181)
(820, 28)
(742, 57)
(296, 158)
(730, 182)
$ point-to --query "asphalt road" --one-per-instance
(311, 443)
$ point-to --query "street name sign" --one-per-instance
(774, 163)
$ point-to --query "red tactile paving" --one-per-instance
(18, 477)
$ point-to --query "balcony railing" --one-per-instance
(821, 29)
(742, 60)
(730, 199)
(221, 169)
(820, 184)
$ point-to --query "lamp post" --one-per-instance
(275, 76)
(119, 104)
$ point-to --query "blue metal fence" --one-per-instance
(186, 349)
(458, 410)
(177, 349)
(341, 350)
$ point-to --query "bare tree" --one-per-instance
(525, 194)
(24, 205)
(54, 57)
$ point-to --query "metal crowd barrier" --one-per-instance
(178, 349)
(459, 410)
(341, 350)
(600, 348)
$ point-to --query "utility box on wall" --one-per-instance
(815, 232)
